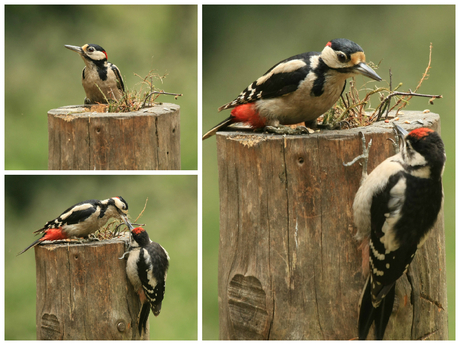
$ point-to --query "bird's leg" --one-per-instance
(364, 156)
(395, 141)
(280, 129)
(125, 253)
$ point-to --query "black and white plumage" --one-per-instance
(298, 89)
(101, 79)
(394, 209)
(147, 268)
(82, 219)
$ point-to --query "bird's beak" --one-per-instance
(364, 69)
(401, 131)
(127, 222)
(75, 49)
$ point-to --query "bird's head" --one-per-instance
(347, 57)
(422, 150)
(92, 52)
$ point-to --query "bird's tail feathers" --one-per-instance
(217, 127)
(143, 318)
(32, 245)
(368, 313)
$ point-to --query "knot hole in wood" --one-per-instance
(247, 305)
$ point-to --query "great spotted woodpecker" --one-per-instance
(101, 79)
(298, 89)
(82, 219)
(394, 209)
(146, 268)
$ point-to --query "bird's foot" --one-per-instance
(395, 141)
(364, 156)
(287, 130)
(90, 238)
(332, 126)
(124, 254)
(67, 240)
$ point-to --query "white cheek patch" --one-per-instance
(285, 67)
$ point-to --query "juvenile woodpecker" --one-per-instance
(101, 79)
(82, 219)
(146, 268)
(298, 89)
(394, 209)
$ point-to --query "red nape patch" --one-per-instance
(106, 57)
(53, 235)
(420, 133)
(247, 113)
(137, 230)
(329, 44)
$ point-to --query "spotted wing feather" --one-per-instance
(85, 209)
(281, 79)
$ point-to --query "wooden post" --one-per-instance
(289, 266)
(83, 292)
(148, 139)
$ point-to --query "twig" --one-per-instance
(140, 214)
(159, 93)
(385, 103)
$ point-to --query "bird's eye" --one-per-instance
(90, 49)
(342, 57)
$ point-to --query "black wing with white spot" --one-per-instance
(73, 215)
(281, 79)
(152, 267)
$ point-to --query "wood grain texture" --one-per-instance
(144, 140)
(83, 293)
(289, 266)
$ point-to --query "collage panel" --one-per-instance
(280, 256)
(104, 87)
(275, 172)
(81, 285)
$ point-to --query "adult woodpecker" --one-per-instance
(298, 89)
(101, 79)
(82, 219)
(146, 268)
(394, 209)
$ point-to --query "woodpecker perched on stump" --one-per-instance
(101, 79)
(394, 209)
(298, 89)
(82, 219)
(146, 268)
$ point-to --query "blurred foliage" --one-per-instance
(170, 218)
(240, 43)
(40, 74)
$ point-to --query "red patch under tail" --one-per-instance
(50, 235)
(248, 114)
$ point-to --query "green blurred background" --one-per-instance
(240, 43)
(170, 218)
(40, 74)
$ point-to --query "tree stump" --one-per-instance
(148, 139)
(83, 293)
(289, 266)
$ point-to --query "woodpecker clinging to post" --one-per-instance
(298, 89)
(146, 268)
(101, 79)
(82, 219)
(394, 209)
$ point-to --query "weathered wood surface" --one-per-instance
(289, 266)
(148, 139)
(83, 293)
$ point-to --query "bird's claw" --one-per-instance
(123, 256)
(364, 156)
(395, 141)
(287, 130)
